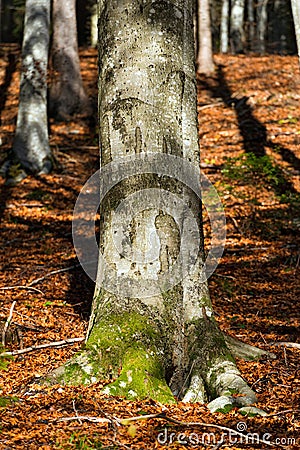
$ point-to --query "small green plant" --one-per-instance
(4, 360)
(290, 119)
(82, 442)
(37, 194)
(292, 198)
(5, 401)
(249, 167)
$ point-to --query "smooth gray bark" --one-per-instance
(237, 26)
(296, 16)
(147, 109)
(67, 95)
(224, 32)
(205, 63)
(94, 26)
(251, 24)
(262, 22)
(31, 145)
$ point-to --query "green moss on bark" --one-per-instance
(142, 376)
(125, 348)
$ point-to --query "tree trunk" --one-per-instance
(7, 21)
(94, 26)
(67, 95)
(237, 26)
(296, 16)
(262, 22)
(204, 60)
(152, 328)
(224, 27)
(251, 24)
(31, 145)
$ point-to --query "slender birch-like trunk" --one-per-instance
(251, 26)
(31, 144)
(152, 329)
(67, 95)
(262, 22)
(296, 16)
(224, 35)
(204, 61)
(94, 26)
(237, 26)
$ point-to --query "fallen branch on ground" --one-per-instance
(286, 411)
(42, 346)
(210, 105)
(53, 272)
(29, 288)
(287, 344)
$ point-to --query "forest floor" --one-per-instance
(249, 114)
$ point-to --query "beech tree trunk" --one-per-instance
(237, 26)
(224, 35)
(67, 95)
(205, 63)
(251, 24)
(31, 152)
(262, 22)
(94, 26)
(296, 16)
(152, 330)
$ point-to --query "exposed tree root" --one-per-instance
(244, 351)
(137, 370)
(14, 171)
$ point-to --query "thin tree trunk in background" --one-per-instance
(204, 61)
(276, 28)
(296, 16)
(262, 22)
(31, 145)
(251, 24)
(237, 37)
(224, 27)
(7, 21)
(67, 95)
(94, 26)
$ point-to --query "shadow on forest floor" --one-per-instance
(253, 132)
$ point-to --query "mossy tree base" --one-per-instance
(14, 171)
(128, 349)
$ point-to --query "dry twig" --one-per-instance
(53, 272)
(210, 105)
(29, 288)
(76, 412)
(42, 346)
(285, 411)
(287, 344)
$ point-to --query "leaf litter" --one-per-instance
(249, 118)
